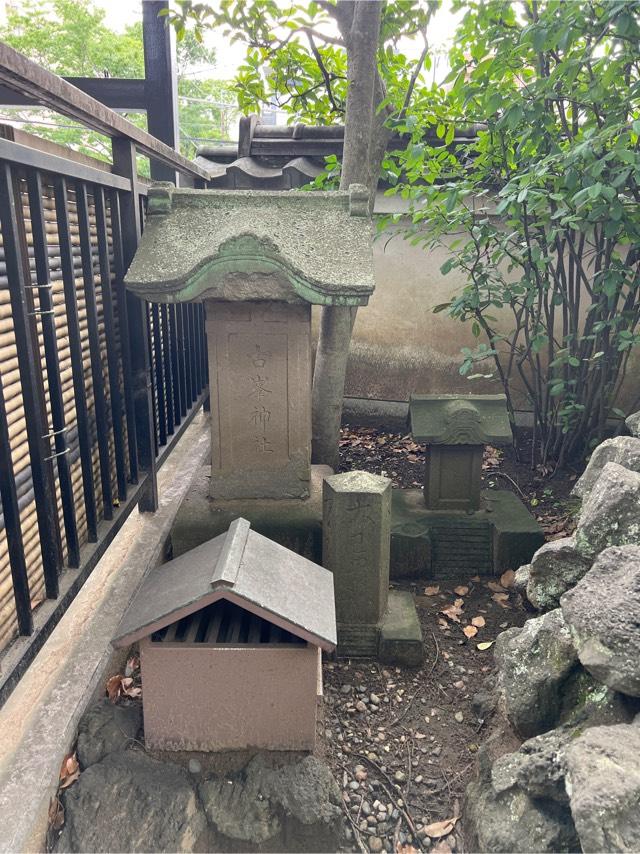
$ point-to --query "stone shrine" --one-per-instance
(454, 526)
(372, 620)
(259, 261)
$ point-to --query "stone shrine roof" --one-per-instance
(242, 567)
(454, 419)
(243, 245)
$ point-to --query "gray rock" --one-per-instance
(610, 514)
(522, 578)
(603, 783)
(130, 802)
(276, 805)
(106, 728)
(624, 450)
(555, 568)
(534, 662)
(501, 815)
(633, 424)
(602, 613)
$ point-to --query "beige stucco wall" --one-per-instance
(399, 346)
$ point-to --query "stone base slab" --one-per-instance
(292, 522)
(398, 640)
(502, 535)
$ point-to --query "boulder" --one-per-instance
(275, 805)
(624, 450)
(633, 424)
(603, 783)
(518, 802)
(130, 802)
(521, 579)
(534, 662)
(555, 568)
(602, 613)
(610, 514)
(106, 728)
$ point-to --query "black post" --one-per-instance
(161, 83)
(124, 162)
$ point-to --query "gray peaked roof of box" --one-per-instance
(458, 419)
(243, 567)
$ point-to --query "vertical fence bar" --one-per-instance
(110, 329)
(125, 350)
(99, 399)
(124, 161)
(13, 532)
(198, 348)
(75, 348)
(168, 367)
(175, 364)
(194, 351)
(188, 349)
(184, 392)
(36, 426)
(159, 373)
(47, 316)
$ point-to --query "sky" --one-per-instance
(119, 13)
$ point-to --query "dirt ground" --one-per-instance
(402, 742)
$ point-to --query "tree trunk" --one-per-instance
(359, 22)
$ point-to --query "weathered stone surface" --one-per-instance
(356, 548)
(602, 613)
(534, 662)
(259, 369)
(514, 803)
(624, 450)
(400, 633)
(244, 245)
(633, 424)
(274, 805)
(130, 802)
(587, 702)
(106, 728)
(610, 514)
(521, 579)
(459, 419)
(555, 568)
(603, 783)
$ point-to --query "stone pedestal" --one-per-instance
(452, 477)
(260, 380)
(355, 547)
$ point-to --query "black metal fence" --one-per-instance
(95, 385)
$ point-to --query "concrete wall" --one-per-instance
(399, 346)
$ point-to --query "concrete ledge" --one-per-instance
(400, 634)
(39, 720)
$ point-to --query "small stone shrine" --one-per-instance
(453, 525)
(259, 261)
(230, 636)
(372, 620)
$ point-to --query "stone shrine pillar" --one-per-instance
(356, 547)
(260, 383)
(456, 428)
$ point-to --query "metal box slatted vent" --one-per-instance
(225, 623)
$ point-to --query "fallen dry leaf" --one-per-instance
(493, 585)
(461, 590)
(432, 591)
(405, 848)
(453, 611)
(114, 687)
(56, 814)
(507, 578)
(440, 828)
(69, 770)
(441, 847)
(484, 645)
(502, 599)
(470, 631)
(478, 621)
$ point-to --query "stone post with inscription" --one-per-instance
(355, 547)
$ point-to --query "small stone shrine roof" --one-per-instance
(295, 245)
(453, 419)
(242, 567)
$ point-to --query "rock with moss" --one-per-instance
(555, 568)
(633, 424)
(624, 450)
(610, 516)
(534, 662)
(602, 613)
(603, 783)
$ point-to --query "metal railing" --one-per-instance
(95, 385)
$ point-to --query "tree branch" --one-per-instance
(324, 72)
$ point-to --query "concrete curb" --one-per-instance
(39, 720)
